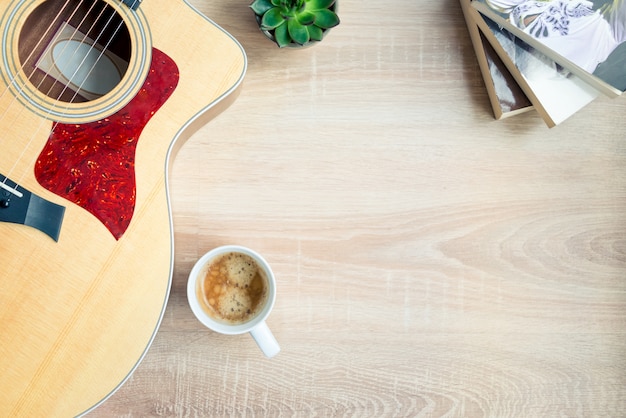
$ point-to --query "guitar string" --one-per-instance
(35, 48)
(66, 45)
(46, 116)
(13, 80)
(70, 80)
(104, 49)
(20, 89)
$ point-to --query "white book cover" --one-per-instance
(554, 92)
(586, 37)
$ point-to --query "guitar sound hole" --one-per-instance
(74, 51)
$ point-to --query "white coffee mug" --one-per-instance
(256, 325)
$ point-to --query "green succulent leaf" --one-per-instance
(282, 36)
(272, 19)
(315, 33)
(261, 6)
(326, 19)
(289, 7)
(319, 4)
(297, 31)
(306, 18)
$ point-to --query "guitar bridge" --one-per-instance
(20, 206)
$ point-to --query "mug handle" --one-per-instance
(265, 340)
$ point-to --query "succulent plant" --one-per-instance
(296, 21)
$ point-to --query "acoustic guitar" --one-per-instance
(96, 96)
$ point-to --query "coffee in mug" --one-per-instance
(233, 289)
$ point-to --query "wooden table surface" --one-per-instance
(431, 261)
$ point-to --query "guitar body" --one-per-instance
(85, 275)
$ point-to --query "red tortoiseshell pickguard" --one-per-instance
(93, 164)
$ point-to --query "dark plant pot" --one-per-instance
(270, 33)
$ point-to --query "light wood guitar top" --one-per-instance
(78, 314)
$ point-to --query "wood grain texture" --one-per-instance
(430, 260)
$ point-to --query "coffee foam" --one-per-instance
(234, 289)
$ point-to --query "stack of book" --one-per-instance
(553, 56)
